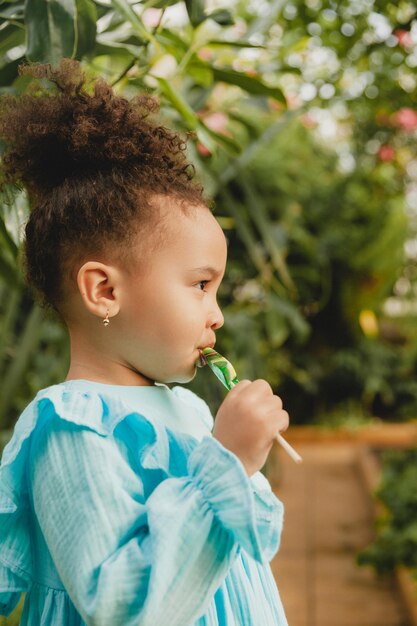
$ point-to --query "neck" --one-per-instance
(89, 363)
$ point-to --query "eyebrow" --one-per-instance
(207, 269)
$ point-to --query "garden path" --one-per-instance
(328, 518)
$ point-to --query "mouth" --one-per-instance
(202, 361)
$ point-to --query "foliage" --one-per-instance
(319, 258)
(396, 540)
(309, 224)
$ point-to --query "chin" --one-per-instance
(181, 378)
(190, 378)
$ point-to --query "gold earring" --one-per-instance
(106, 320)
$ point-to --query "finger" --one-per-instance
(240, 386)
(278, 422)
(262, 386)
(258, 391)
(283, 421)
(273, 405)
(278, 402)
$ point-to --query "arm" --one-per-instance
(124, 560)
(269, 514)
(267, 507)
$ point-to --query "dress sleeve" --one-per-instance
(269, 515)
(267, 508)
(127, 559)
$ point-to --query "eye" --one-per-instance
(201, 284)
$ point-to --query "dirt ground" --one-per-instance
(328, 518)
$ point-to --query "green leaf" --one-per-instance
(160, 4)
(110, 48)
(9, 73)
(202, 74)
(124, 8)
(247, 122)
(10, 37)
(257, 210)
(120, 35)
(235, 167)
(15, 11)
(86, 27)
(178, 102)
(172, 43)
(292, 314)
(10, 312)
(250, 84)
(26, 345)
(51, 29)
(276, 327)
(241, 43)
(246, 233)
(9, 273)
(222, 17)
(207, 136)
(196, 11)
(7, 239)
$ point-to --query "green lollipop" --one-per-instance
(221, 367)
(225, 372)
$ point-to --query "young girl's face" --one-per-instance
(170, 310)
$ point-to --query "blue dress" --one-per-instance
(119, 508)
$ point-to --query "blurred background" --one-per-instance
(302, 125)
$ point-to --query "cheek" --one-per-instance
(169, 313)
(165, 311)
(179, 314)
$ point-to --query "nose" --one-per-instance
(216, 318)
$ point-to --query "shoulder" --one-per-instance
(74, 408)
(66, 403)
(68, 429)
(66, 407)
(73, 405)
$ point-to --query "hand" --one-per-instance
(248, 420)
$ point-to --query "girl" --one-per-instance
(120, 504)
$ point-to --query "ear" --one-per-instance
(99, 288)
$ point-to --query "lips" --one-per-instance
(202, 361)
(207, 345)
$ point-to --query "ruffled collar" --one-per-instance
(173, 408)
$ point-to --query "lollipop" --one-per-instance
(225, 372)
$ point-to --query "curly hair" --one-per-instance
(93, 164)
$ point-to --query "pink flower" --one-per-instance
(274, 105)
(151, 17)
(203, 150)
(217, 121)
(386, 153)
(308, 121)
(404, 38)
(205, 54)
(293, 101)
(406, 119)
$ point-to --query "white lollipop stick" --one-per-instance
(289, 449)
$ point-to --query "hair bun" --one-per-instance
(77, 129)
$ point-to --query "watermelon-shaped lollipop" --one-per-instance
(225, 372)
